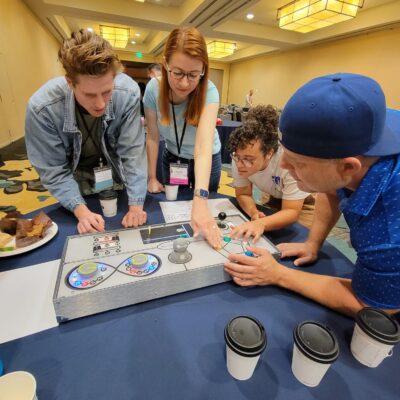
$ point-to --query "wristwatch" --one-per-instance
(201, 193)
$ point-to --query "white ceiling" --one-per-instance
(217, 19)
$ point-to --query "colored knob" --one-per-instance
(88, 269)
(139, 260)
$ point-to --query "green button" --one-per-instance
(139, 259)
(227, 239)
(185, 235)
(87, 269)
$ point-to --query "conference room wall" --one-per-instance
(275, 77)
(28, 58)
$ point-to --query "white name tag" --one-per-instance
(178, 174)
(103, 178)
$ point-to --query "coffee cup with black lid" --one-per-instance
(108, 201)
(245, 339)
(315, 349)
(375, 333)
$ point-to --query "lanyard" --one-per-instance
(178, 144)
(89, 131)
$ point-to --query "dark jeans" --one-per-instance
(215, 175)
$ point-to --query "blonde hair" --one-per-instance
(86, 53)
(188, 41)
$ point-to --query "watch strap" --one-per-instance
(201, 193)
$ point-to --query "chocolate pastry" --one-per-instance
(8, 225)
(23, 227)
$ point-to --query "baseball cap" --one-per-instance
(340, 115)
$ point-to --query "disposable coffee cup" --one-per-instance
(315, 349)
(108, 201)
(375, 333)
(171, 192)
(245, 340)
(19, 385)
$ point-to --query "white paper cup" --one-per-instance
(171, 192)
(240, 367)
(108, 202)
(315, 349)
(245, 340)
(19, 385)
(375, 333)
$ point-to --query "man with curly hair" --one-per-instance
(256, 156)
(85, 123)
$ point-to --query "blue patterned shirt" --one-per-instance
(373, 215)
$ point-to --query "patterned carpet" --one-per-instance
(20, 186)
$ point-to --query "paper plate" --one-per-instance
(51, 232)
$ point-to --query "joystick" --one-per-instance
(221, 217)
(180, 254)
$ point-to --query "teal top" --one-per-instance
(150, 100)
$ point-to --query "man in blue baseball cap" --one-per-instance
(340, 141)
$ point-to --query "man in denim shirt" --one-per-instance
(89, 118)
(341, 141)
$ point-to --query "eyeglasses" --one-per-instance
(245, 162)
(178, 75)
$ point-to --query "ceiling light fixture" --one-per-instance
(118, 37)
(308, 15)
(217, 49)
(250, 16)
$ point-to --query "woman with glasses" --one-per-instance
(256, 156)
(182, 106)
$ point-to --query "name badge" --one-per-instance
(178, 174)
(103, 178)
